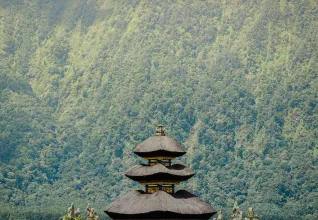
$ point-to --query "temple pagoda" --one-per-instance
(159, 175)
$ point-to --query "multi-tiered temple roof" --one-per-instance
(159, 201)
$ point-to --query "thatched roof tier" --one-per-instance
(159, 205)
(158, 172)
(159, 146)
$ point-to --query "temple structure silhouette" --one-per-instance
(159, 176)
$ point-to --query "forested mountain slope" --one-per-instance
(234, 81)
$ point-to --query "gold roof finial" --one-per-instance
(160, 131)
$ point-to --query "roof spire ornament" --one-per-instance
(160, 131)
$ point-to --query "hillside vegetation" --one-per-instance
(234, 81)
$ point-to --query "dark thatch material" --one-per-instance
(159, 146)
(159, 205)
(158, 172)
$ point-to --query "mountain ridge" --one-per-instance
(82, 82)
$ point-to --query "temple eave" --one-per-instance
(159, 154)
(156, 182)
(159, 215)
(160, 178)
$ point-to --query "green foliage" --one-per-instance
(81, 82)
(68, 218)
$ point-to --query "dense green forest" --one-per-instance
(83, 81)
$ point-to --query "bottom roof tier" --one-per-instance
(159, 205)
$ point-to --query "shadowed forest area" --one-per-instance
(234, 81)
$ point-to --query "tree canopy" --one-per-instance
(234, 81)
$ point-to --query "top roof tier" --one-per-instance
(159, 146)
